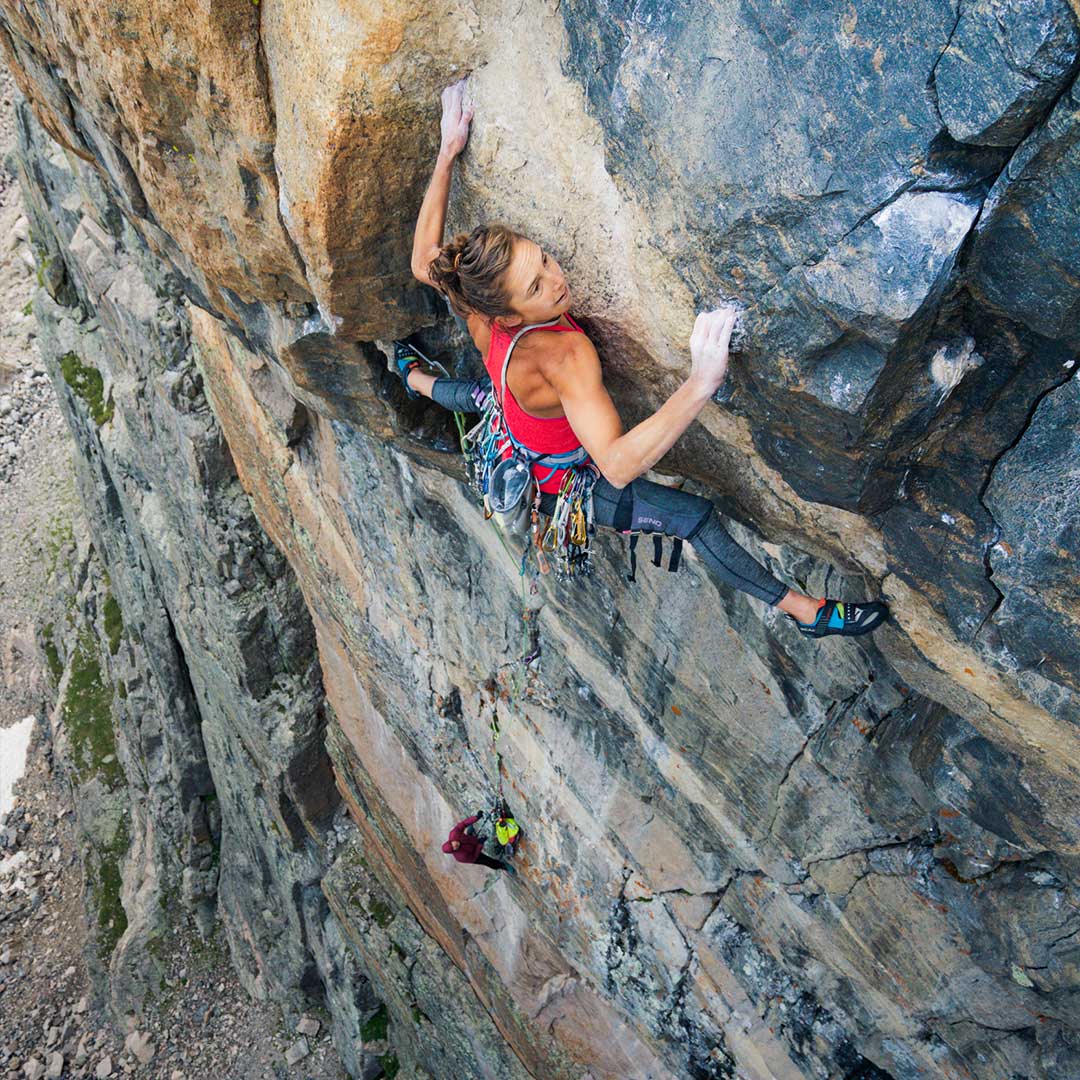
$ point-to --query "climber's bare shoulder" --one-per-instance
(479, 331)
(568, 362)
(572, 368)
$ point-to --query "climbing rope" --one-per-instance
(506, 828)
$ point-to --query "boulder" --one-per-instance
(1006, 62)
(1033, 497)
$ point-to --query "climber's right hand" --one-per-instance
(456, 116)
(709, 346)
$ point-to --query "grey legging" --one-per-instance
(643, 506)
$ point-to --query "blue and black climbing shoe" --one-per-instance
(850, 620)
(405, 359)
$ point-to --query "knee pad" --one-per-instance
(660, 509)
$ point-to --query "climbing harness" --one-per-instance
(506, 829)
(503, 472)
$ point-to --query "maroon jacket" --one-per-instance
(471, 846)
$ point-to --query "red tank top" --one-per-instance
(544, 435)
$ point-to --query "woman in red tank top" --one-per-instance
(509, 289)
(544, 434)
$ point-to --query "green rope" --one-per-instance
(518, 667)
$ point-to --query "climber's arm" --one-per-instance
(621, 457)
(427, 239)
(575, 375)
(431, 221)
(458, 831)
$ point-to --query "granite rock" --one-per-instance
(1006, 62)
(745, 853)
(1033, 497)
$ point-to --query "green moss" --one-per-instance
(390, 1066)
(43, 262)
(52, 656)
(88, 384)
(112, 919)
(381, 913)
(58, 533)
(114, 624)
(28, 308)
(375, 1029)
(121, 689)
(105, 886)
(87, 716)
(211, 953)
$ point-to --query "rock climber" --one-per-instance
(503, 284)
(467, 847)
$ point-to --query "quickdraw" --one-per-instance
(567, 535)
(570, 527)
(484, 445)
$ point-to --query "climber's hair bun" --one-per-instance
(471, 271)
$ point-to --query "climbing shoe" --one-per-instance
(405, 359)
(849, 620)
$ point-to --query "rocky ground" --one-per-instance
(202, 1024)
(38, 505)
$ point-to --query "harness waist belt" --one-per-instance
(553, 461)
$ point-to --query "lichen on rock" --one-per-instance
(86, 382)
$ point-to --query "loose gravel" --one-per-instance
(202, 1026)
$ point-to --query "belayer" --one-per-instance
(467, 847)
(549, 412)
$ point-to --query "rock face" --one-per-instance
(1005, 64)
(745, 854)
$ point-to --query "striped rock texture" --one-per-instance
(745, 854)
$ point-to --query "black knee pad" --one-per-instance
(654, 508)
